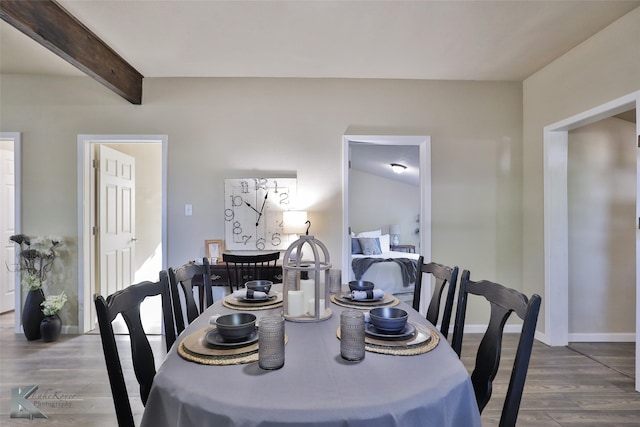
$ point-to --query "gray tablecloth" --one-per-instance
(315, 387)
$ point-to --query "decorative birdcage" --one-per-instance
(306, 281)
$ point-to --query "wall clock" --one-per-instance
(253, 212)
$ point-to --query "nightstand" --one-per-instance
(404, 248)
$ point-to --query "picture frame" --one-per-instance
(213, 250)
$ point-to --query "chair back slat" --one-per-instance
(242, 268)
(184, 278)
(444, 276)
(503, 302)
(126, 303)
(114, 367)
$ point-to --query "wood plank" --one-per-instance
(49, 24)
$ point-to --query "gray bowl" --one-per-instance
(388, 319)
(259, 285)
(361, 285)
(236, 327)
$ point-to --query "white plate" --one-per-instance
(214, 338)
(405, 333)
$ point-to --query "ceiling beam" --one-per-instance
(49, 24)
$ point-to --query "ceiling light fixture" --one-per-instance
(398, 168)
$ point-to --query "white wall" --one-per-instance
(602, 206)
(378, 202)
(603, 68)
(225, 128)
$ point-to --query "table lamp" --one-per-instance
(295, 223)
(394, 231)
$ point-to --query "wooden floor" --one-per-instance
(585, 384)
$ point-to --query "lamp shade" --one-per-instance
(293, 222)
(394, 229)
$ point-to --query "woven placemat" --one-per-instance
(231, 302)
(388, 301)
(217, 360)
(424, 340)
(195, 349)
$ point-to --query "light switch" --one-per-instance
(188, 210)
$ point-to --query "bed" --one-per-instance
(372, 260)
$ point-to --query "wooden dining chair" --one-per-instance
(126, 302)
(242, 268)
(444, 277)
(503, 301)
(185, 278)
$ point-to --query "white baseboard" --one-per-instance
(66, 330)
(603, 337)
(480, 329)
(69, 330)
(542, 337)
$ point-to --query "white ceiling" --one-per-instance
(390, 39)
(450, 40)
(376, 159)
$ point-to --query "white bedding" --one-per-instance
(387, 275)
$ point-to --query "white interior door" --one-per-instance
(7, 228)
(116, 224)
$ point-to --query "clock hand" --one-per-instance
(249, 204)
(262, 208)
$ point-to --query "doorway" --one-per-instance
(423, 143)
(151, 150)
(602, 204)
(556, 220)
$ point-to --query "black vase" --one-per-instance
(50, 328)
(32, 314)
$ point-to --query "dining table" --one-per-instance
(423, 385)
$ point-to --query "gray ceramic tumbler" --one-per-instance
(271, 342)
(352, 335)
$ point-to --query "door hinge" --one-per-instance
(95, 163)
(94, 230)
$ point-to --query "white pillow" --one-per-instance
(374, 233)
(384, 243)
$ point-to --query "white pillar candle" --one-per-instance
(295, 303)
(312, 306)
(308, 286)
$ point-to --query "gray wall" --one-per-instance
(378, 202)
(225, 128)
(601, 69)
